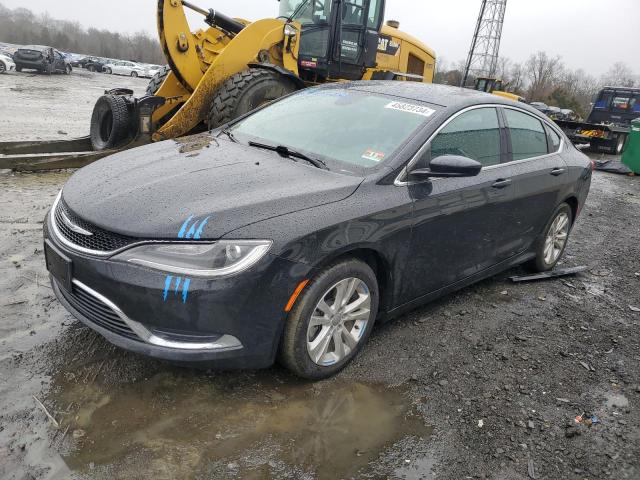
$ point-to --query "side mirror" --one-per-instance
(448, 166)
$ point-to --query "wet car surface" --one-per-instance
(228, 254)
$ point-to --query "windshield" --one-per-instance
(350, 130)
(306, 11)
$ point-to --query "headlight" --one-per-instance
(198, 260)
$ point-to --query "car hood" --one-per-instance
(208, 183)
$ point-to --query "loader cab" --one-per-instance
(339, 38)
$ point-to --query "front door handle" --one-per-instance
(556, 172)
(502, 183)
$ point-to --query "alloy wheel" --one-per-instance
(556, 238)
(338, 322)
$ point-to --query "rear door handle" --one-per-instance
(502, 183)
(556, 172)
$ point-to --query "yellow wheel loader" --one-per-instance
(496, 87)
(232, 66)
(220, 73)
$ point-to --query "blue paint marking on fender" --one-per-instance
(185, 290)
(189, 230)
(167, 286)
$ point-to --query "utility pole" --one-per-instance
(485, 45)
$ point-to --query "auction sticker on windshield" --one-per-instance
(411, 108)
(373, 156)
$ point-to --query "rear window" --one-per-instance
(351, 130)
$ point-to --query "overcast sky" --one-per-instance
(589, 34)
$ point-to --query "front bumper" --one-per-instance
(232, 322)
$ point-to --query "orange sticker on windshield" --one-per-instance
(373, 156)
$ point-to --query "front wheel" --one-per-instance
(134, 74)
(331, 321)
(68, 69)
(551, 246)
(3, 67)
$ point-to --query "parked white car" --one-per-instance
(122, 67)
(6, 64)
(151, 70)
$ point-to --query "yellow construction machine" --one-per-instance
(217, 74)
(496, 87)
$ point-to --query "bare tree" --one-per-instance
(619, 75)
(22, 27)
(543, 72)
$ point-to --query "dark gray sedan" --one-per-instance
(290, 232)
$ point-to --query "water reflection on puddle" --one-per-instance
(178, 424)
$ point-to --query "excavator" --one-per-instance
(232, 66)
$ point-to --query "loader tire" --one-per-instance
(110, 123)
(157, 80)
(244, 92)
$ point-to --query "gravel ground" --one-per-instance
(485, 383)
(40, 107)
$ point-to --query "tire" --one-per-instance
(68, 70)
(299, 336)
(108, 71)
(110, 123)
(134, 74)
(244, 92)
(3, 67)
(91, 68)
(18, 69)
(157, 80)
(542, 263)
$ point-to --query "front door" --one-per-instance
(339, 37)
(461, 224)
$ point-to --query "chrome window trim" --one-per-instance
(401, 183)
(226, 342)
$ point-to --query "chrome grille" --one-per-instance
(97, 312)
(100, 240)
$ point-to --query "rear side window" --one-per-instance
(528, 137)
(554, 140)
(474, 134)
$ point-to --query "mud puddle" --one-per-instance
(178, 424)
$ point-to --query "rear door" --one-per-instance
(539, 173)
(461, 224)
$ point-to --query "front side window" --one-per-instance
(528, 137)
(474, 134)
(352, 131)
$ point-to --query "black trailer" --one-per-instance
(609, 122)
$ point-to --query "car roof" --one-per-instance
(34, 47)
(449, 97)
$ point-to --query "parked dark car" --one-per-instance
(293, 231)
(41, 58)
(96, 64)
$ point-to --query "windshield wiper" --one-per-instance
(230, 134)
(287, 152)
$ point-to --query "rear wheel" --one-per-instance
(244, 92)
(134, 74)
(108, 71)
(110, 123)
(331, 321)
(550, 247)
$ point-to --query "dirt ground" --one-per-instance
(36, 106)
(486, 383)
